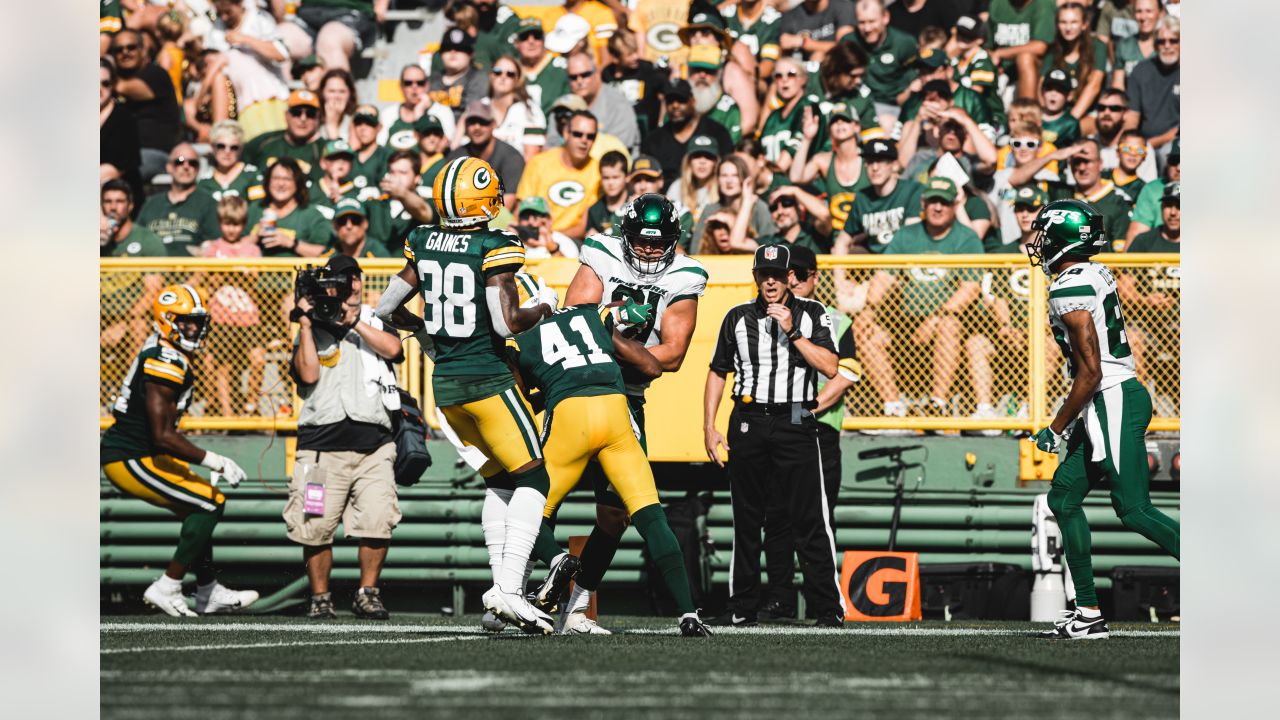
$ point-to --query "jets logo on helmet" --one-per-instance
(465, 193)
(181, 316)
(650, 231)
(1065, 229)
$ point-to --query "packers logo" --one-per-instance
(168, 297)
(134, 248)
(840, 205)
(663, 37)
(928, 275)
(1020, 282)
(482, 178)
(566, 193)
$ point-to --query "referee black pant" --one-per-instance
(769, 455)
(779, 544)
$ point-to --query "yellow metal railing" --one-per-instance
(243, 378)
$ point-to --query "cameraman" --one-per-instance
(533, 225)
(344, 463)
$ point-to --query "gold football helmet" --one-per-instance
(467, 192)
(180, 315)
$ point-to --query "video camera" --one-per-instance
(326, 290)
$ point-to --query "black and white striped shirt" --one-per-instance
(765, 366)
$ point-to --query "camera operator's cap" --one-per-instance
(932, 59)
(939, 187)
(703, 145)
(569, 30)
(1030, 196)
(337, 148)
(704, 57)
(427, 124)
(457, 39)
(348, 206)
(679, 90)
(645, 166)
(842, 109)
(536, 204)
(367, 112)
(880, 149)
(303, 97)
(970, 28)
(478, 110)
(802, 258)
(569, 102)
(1059, 80)
(343, 264)
(772, 257)
(1172, 194)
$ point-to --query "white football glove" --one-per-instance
(223, 468)
(547, 296)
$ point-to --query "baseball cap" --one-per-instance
(303, 97)
(478, 109)
(941, 87)
(366, 112)
(704, 57)
(703, 145)
(428, 123)
(536, 204)
(1057, 80)
(880, 149)
(679, 89)
(774, 257)
(842, 109)
(970, 28)
(569, 30)
(457, 39)
(1172, 193)
(530, 26)
(337, 147)
(304, 65)
(569, 102)
(646, 165)
(348, 206)
(1030, 195)
(939, 187)
(802, 258)
(340, 263)
(931, 59)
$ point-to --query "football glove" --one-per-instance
(632, 313)
(223, 468)
(547, 296)
(1049, 441)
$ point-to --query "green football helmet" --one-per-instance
(1065, 229)
(651, 220)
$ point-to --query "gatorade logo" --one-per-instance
(567, 192)
(663, 37)
(882, 586)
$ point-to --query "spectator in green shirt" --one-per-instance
(117, 233)
(183, 216)
(1021, 31)
(1141, 45)
(1146, 210)
(284, 223)
(889, 52)
(227, 173)
(1060, 127)
(1078, 53)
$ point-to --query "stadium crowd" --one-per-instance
(233, 128)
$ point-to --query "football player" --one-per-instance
(1099, 432)
(465, 273)
(642, 265)
(569, 357)
(145, 456)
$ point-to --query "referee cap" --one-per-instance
(772, 257)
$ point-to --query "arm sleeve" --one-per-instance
(726, 346)
(1078, 295)
(821, 335)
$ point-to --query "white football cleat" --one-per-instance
(167, 598)
(492, 623)
(579, 624)
(1073, 625)
(516, 610)
(216, 598)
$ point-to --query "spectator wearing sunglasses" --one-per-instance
(784, 127)
(478, 124)
(459, 81)
(790, 207)
(613, 110)
(567, 176)
(370, 158)
(519, 121)
(227, 174)
(351, 233)
(1129, 157)
(183, 216)
(404, 117)
(545, 74)
(1155, 87)
(299, 140)
(671, 142)
(146, 91)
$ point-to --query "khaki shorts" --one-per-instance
(359, 491)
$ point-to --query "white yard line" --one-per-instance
(893, 631)
(294, 643)
(216, 627)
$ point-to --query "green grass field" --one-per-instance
(420, 666)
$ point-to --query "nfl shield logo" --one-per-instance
(743, 427)
(771, 253)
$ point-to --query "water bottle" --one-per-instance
(113, 224)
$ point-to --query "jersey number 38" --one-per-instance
(450, 297)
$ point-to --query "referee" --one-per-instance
(775, 346)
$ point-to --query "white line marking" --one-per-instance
(890, 632)
(294, 643)
(117, 627)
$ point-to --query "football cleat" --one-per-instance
(733, 619)
(368, 605)
(516, 610)
(829, 621)
(492, 623)
(322, 607)
(693, 626)
(554, 590)
(167, 599)
(579, 624)
(776, 611)
(216, 598)
(1074, 626)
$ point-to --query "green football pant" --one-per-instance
(1123, 413)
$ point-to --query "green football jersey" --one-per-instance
(181, 226)
(889, 69)
(783, 131)
(264, 149)
(305, 224)
(130, 436)
(1009, 26)
(453, 267)
(140, 242)
(368, 173)
(726, 113)
(761, 36)
(569, 354)
(246, 184)
(881, 217)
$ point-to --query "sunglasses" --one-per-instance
(308, 112)
(346, 220)
(1165, 42)
(478, 121)
(1031, 144)
(530, 34)
(1112, 108)
(106, 84)
(124, 49)
(785, 201)
(414, 83)
(802, 274)
(184, 160)
(580, 134)
(785, 74)
(581, 76)
(505, 73)
(1083, 160)
(223, 146)
(1134, 149)
(365, 120)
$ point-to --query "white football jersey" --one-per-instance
(684, 278)
(1091, 286)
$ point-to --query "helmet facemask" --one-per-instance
(187, 331)
(647, 265)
